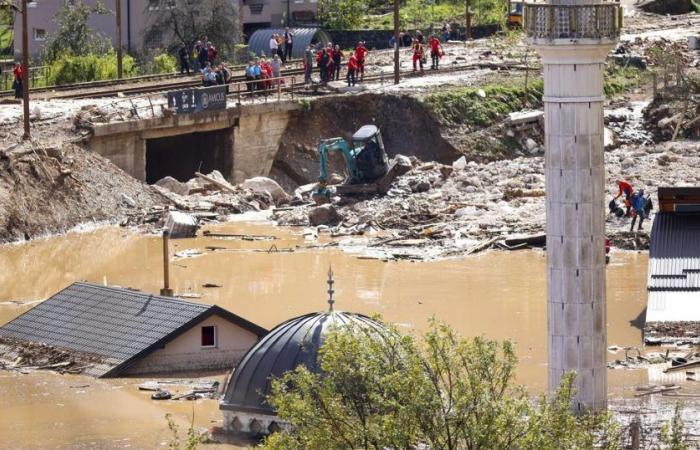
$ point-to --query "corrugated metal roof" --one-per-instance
(259, 42)
(674, 269)
(115, 324)
(291, 344)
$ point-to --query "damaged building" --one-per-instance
(673, 305)
(127, 333)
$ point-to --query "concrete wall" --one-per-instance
(256, 133)
(185, 352)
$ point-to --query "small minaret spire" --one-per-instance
(330, 289)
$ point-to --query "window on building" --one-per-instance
(39, 34)
(209, 336)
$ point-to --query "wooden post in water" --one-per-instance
(166, 291)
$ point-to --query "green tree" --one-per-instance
(73, 36)
(341, 14)
(189, 21)
(387, 390)
(673, 432)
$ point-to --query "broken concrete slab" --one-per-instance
(181, 225)
(173, 185)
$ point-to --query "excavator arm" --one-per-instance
(336, 145)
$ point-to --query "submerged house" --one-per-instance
(133, 333)
(673, 304)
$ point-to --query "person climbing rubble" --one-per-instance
(641, 208)
(625, 188)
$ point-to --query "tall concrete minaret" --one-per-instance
(573, 37)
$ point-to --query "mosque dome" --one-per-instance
(289, 345)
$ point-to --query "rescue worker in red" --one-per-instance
(360, 55)
(436, 52)
(331, 62)
(625, 188)
(17, 84)
(352, 70)
(418, 54)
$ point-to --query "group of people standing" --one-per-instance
(419, 52)
(204, 55)
(262, 74)
(282, 45)
(330, 60)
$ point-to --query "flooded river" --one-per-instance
(497, 294)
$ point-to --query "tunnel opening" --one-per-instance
(182, 155)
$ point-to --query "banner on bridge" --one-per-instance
(198, 100)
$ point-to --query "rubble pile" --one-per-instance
(438, 210)
(25, 357)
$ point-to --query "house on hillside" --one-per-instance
(132, 333)
(673, 304)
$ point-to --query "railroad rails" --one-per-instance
(114, 87)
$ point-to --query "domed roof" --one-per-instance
(287, 346)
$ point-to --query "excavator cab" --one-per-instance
(515, 14)
(370, 156)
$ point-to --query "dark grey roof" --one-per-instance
(674, 255)
(291, 344)
(259, 41)
(118, 325)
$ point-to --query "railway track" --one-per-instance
(112, 83)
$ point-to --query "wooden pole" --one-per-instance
(397, 76)
(25, 75)
(119, 39)
(166, 291)
(467, 20)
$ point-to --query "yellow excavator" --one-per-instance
(515, 14)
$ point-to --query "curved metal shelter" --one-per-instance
(259, 41)
(291, 344)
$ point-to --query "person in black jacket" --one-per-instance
(184, 59)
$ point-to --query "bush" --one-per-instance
(164, 63)
(68, 68)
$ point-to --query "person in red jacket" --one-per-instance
(352, 70)
(360, 55)
(418, 54)
(625, 188)
(435, 52)
(18, 83)
(331, 62)
(265, 75)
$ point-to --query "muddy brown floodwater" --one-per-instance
(497, 294)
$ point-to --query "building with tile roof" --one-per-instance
(133, 333)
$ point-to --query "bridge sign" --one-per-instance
(198, 100)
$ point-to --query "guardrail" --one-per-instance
(591, 21)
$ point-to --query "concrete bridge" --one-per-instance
(241, 142)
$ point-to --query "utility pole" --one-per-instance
(467, 20)
(25, 74)
(119, 38)
(396, 42)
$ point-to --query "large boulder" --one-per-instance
(173, 185)
(260, 185)
(324, 215)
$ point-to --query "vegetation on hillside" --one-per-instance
(481, 106)
(6, 31)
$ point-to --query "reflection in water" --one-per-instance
(499, 295)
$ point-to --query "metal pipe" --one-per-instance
(25, 75)
(166, 291)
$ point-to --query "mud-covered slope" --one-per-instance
(407, 128)
(50, 189)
